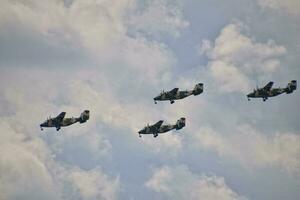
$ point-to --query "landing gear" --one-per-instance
(248, 99)
(172, 101)
(140, 135)
(57, 128)
(155, 135)
(155, 102)
(42, 129)
(264, 99)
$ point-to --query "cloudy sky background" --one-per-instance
(112, 57)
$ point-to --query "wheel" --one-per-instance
(172, 102)
(155, 102)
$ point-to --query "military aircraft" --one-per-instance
(268, 91)
(158, 128)
(61, 121)
(175, 94)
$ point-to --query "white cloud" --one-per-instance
(94, 184)
(291, 6)
(235, 58)
(23, 168)
(159, 17)
(100, 29)
(28, 164)
(181, 183)
(253, 149)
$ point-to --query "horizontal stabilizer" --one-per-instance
(198, 89)
(84, 116)
(180, 123)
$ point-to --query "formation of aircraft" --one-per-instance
(175, 94)
(267, 91)
(61, 121)
(158, 128)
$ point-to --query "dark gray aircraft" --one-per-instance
(61, 121)
(175, 94)
(158, 128)
(267, 91)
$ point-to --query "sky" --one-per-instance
(112, 57)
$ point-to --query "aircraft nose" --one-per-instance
(157, 98)
(141, 131)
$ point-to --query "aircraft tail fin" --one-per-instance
(84, 116)
(180, 123)
(291, 87)
(198, 89)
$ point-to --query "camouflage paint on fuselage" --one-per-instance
(266, 93)
(175, 94)
(60, 121)
(158, 128)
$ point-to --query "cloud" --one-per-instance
(23, 168)
(159, 18)
(290, 6)
(100, 30)
(234, 59)
(97, 29)
(252, 148)
(180, 183)
(94, 184)
(31, 163)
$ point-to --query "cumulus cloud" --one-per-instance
(234, 58)
(101, 30)
(94, 184)
(29, 165)
(252, 148)
(291, 6)
(159, 17)
(180, 183)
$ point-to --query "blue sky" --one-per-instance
(112, 57)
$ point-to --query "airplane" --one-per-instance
(61, 121)
(158, 128)
(268, 91)
(175, 94)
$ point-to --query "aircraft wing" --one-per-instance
(174, 91)
(158, 124)
(268, 86)
(60, 117)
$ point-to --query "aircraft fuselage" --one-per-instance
(54, 123)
